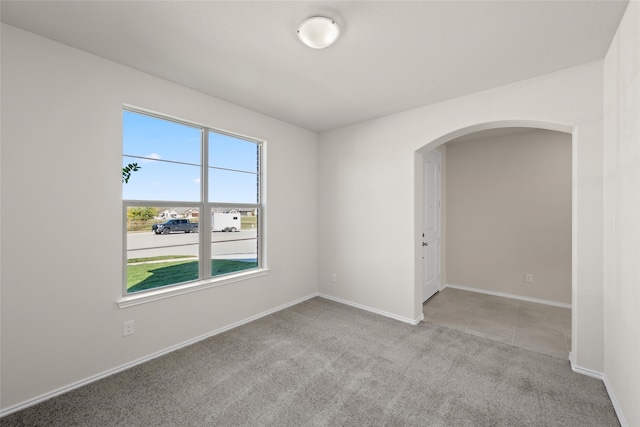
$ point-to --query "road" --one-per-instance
(241, 244)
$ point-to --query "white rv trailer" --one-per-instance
(225, 221)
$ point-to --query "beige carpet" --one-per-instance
(321, 363)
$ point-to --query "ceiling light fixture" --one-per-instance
(318, 32)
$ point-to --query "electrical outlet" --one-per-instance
(334, 277)
(128, 328)
(528, 277)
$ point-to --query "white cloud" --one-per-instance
(155, 156)
(196, 181)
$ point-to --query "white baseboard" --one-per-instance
(506, 295)
(602, 377)
(616, 405)
(374, 310)
(89, 380)
(588, 372)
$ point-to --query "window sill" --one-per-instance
(169, 292)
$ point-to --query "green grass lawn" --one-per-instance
(154, 275)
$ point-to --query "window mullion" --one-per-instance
(124, 248)
(205, 215)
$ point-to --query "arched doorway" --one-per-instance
(575, 301)
(507, 214)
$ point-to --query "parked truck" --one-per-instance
(221, 221)
(175, 225)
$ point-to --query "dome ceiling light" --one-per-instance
(318, 32)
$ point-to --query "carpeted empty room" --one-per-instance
(325, 363)
(231, 213)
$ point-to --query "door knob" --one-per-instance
(425, 243)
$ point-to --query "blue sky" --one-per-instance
(159, 141)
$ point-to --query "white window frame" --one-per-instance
(205, 280)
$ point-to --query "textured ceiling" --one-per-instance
(391, 56)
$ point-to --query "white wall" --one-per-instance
(622, 215)
(509, 213)
(370, 194)
(61, 218)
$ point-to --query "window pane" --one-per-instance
(232, 187)
(229, 152)
(162, 181)
(231, 250)
(155, 138)
(162, 246)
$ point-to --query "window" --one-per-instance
(190, 194)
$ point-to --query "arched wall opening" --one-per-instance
(375, 168)
(533, 125)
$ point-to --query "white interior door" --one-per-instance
(431, 227)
